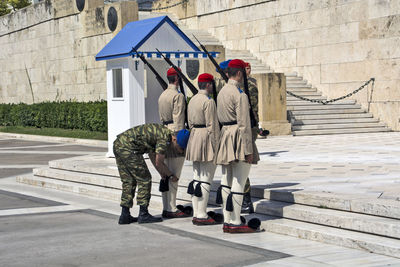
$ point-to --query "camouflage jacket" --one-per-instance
(147, 138)
(253, 91)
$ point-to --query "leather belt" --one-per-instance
(199, 126)
(167, 122)
(229, 123)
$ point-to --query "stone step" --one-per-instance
(341, 131)
(339, 219)
(306, 93)
(327, 111)
(337, 126)
(104, 177)
(308, 103)
(294, 78)
(293, 86)
(90, 190)
(98, 179)
(325, 234)
(332, 116)
(109, 187)
(334, 121)
(293, 98)
(323, 107)
(295, 82)
(299, 90)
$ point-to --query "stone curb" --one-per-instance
(89, 142)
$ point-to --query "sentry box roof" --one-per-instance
(147, 35)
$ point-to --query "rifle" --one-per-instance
(253, 121)
(160, 80)
(180, 74)
(220, 71)
(184, 95)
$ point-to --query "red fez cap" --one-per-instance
(172, 72)
(237, 63)
(205, 77)
(247, 64)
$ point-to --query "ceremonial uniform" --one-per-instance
(129, 148)
(202, 145)
(235, 143)
(172, 105)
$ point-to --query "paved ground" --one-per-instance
(42, 227)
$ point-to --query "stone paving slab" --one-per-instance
(302, 250)
(10, 200)
(6, 172)
(72, 148)
(19, 142)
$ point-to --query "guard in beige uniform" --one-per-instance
(235, 151)
(172, 106)
(204, 126)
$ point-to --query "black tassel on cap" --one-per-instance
(229, 203)
(197, 191)
(190, 189)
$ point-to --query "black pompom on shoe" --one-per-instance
(254, 223)
(218, 218)
(188, 210)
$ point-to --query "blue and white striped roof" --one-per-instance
(148, 35)
(176, 54)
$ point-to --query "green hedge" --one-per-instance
(90, 116)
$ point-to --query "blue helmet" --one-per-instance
(182, 138)
(224, 64)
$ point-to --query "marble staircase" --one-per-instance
(344, 220)
(306, 118)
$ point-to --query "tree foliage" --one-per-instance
(6, 6)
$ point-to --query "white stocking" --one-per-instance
(169, 198)
(207, 170)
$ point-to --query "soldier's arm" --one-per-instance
(158, 162)
(254, 98)
(178, 113)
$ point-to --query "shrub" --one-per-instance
(90, 116)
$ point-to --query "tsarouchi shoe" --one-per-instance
(174, 214)
(204, 221)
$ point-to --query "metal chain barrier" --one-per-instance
(324, 102)
(166, 7)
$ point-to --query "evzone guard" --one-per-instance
(235, 151)
(172, 111)
(203, 143)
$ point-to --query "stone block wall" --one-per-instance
(47, 50)
(335, 44)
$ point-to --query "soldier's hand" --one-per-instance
(249, 158)
(174, 179)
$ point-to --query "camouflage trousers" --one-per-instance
(133, 172)
(254, 133)
(247, 187)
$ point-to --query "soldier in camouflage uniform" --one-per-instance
(247, 206)
(129, 147)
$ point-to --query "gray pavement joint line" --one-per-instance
(38, 146)
(68, 210)
(22, 166)
(32, 198)
(267, 255)
(79, 153)
(88, 142)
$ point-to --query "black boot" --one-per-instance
(146, 217)
(126, 217)
(247, 206)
